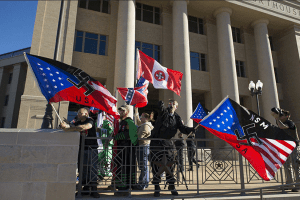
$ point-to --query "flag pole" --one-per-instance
(191, 132)
(136, 64)
(56, 112)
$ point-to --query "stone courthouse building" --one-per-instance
(219, 46)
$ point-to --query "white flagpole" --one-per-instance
(137, 64)
(191, 132)
(56, 113)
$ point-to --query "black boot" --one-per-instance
(95, 194)
(173, 190)
(85, 190)
(157, 191)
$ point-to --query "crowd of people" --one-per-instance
(132, 148)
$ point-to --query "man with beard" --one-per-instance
(127, 142)
(86, 126)
(166, 126)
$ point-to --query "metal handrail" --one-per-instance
(211, 157)
(237, 191)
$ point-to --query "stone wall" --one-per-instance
(38, 164)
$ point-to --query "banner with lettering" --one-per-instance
(61, 82)
(265, 146)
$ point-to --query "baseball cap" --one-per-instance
(124, 107)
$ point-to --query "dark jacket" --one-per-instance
(166, 126)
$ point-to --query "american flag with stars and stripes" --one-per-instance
(110, 118)
(198, 114)
(264, 145)
(61, 82)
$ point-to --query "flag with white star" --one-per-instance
(62, 82)
(265, 146)
(198, 114)
(136, 96)
(94, 110)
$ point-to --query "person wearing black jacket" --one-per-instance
(86, 126)
(283, 122)
(166, 126)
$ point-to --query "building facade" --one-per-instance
(13, 69)
(219, 46)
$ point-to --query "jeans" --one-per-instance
(142, 157)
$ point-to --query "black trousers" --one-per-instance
(158, 153)
(191, 155)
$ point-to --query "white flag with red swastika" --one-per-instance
(161, 77)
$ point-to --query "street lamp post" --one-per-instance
(256, 89)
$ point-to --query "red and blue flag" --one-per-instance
(198, 114)
(136, 96)
(264, 145)
(62, 82)
(94, 110)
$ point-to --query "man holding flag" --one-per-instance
(86, 126)
(283, 121)
(265, 146)
(166, 126)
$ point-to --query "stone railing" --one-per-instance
(38, 164)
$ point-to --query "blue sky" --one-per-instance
(16, 24)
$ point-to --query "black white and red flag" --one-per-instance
(264, 145)
(61, 82)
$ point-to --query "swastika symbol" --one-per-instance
(159, 75)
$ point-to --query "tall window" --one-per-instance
(151, 50)
(90, 43)
(147, 13)
(96, 5)
(240, 68)
(6, 100)
(236, 34)
(10, 78)
(2, 122)
(276, 74)
(271, 43)
(196, 25)
(198, 61)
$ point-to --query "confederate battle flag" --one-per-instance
(136, 96)
(62, 82)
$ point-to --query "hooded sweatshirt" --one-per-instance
(143, 131)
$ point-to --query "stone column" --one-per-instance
(229, 83)
(3, 84)
(125, 48)
(12, 95)
(265, 68)
(181, 60)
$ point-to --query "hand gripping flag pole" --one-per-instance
(191, 132)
